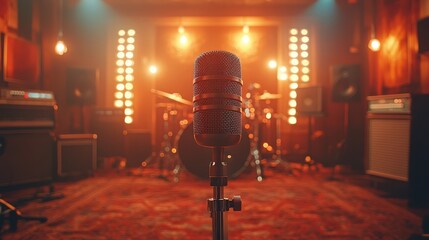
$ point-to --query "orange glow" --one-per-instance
(374, 44)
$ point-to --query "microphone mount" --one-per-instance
(219, 204)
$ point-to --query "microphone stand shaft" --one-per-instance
(218, 179)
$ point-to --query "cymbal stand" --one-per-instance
(166, 155)
(277, 157)
(254, 156)
(218, 204)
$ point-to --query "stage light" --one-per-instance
(181, 30)
(121, 48)
(60, 47)
(245, 39)
(305, 62)
(128, 119)
(128, 103)
(120, 78)
(120, 86)
(305, 39)
(292, 120)
(294, 69)
(120, 70)
(130, 40)
(272, 64)
(293, 46)
(128, 111)
(119, 103)
(153, 69)
(304, 54)
(374, 44)
(120, 63)
(282, 73)
(305, 78)
(294, 77)
(119, 95)
(293, 54)
(129, 86)
(131, 32)
(246, 29)
(183, 40)
(129, 78)
(292, 94)
(121, 33)
(294, 61)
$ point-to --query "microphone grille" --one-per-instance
(217, 63)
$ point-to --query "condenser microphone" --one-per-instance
(217, 101)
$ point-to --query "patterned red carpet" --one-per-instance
(305, 206)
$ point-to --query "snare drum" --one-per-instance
(196, 159)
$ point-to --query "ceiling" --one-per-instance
(210, 2)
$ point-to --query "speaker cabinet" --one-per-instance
(108, 124)
(26, 156)
(397, 142)
(346, 83)
(423, 34)
(81, 86)
(138, 146)
(76, 154)
(309, 100)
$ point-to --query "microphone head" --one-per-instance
(217, 99)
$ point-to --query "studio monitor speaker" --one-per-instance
(138, 146)
(423, 34)
(346, 83)
(81, 86)
(108, 124)
(309, 100)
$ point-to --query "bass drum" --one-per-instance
(196, 159)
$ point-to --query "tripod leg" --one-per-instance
(9, 212)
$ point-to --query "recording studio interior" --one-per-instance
(214, 119)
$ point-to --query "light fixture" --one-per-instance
(60, 47)
(373, 44)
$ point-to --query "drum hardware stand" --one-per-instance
(277, 157)
(9, 213)
(308, 160)
(166, 154)
(255, 157)
(218, 204)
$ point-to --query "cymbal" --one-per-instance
(173, 96)
(268, 96)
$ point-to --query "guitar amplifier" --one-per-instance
(76, 154)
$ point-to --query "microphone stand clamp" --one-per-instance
(219, 204)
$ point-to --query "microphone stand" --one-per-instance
(218, 204)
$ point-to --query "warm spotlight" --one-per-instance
(60, 48)
(374, 44)
(272, 64)
(245, 39)
(183, 40)
(153, 69)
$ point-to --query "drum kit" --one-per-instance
(178, 149)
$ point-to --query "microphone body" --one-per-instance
(217, 101)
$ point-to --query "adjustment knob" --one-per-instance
(235, 203)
